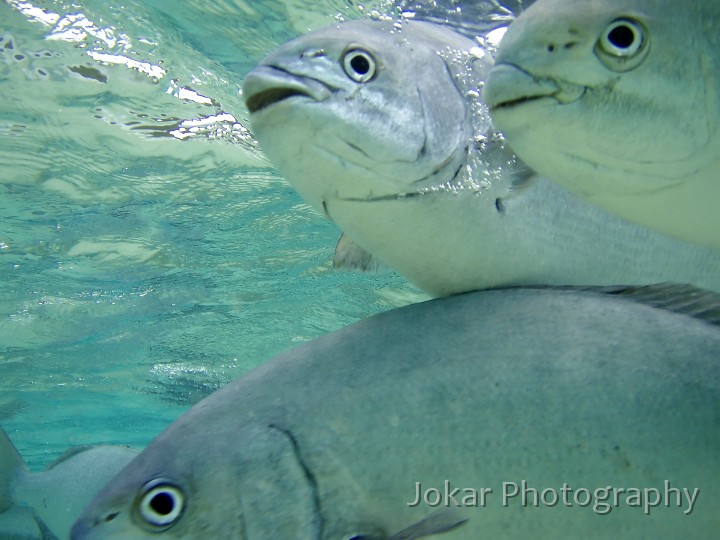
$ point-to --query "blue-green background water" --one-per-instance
(148, 251)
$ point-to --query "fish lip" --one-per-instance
(268, 85)
(389, 197)
(510, 86)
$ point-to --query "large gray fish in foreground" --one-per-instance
(606, 403)
(380, 126)
(44, 505)
(619, 102)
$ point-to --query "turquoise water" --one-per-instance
(148, 251)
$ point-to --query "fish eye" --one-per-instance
(622, 45)
(160, 504)
(359, 65)
(622, 37)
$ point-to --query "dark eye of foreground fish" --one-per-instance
(622, 45)
(160, 505)
(359, 65)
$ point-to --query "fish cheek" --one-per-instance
(278, 493)
(640, 117)
(382, 122)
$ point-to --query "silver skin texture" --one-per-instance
(361, 152)
(43, 505)
(327, 440)
(635, 129)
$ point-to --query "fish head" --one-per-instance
(189, 484)
(227, 471)
(366, 109)
(610, 95)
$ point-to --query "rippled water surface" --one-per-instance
(148, 251)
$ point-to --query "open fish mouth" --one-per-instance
(264, 99)
(562, 97)
(266, 86)
(510, 86)
(515, 102)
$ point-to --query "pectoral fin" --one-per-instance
(350, 256)
(444, 520)
(11, 463)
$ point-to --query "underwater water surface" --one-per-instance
(148, 250)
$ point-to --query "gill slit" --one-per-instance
(312, 480)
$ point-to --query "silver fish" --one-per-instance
(381, 127)
(44, 505)
(619, 102)
(334, 439)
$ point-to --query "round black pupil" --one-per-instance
(360, 64)
(162, 503)
(621, 36)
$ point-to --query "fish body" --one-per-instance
(619, 102)
(44, 505)
(407, 164)
(553, 387)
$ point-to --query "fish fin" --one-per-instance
(350, 256)
(443, 520)
(680, 298)
(69, 453)
(47, 534)
(677, 297)
(10, 463)
(21, 523)
(522, 177)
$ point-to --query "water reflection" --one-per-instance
(148, 253)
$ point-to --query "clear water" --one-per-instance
(148, 251)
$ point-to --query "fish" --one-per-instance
(378, 425)
(618, 101)
(405, 160)
(43, 505)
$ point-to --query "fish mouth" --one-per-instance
(266, 86)
(264, 99)
(510, 86)
(515, 102)
(564, 97)
(378, 198)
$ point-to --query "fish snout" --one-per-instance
(267, 85)
(509, 85)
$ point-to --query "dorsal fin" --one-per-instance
(10, 463)
(680, 298)
(676, 297)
